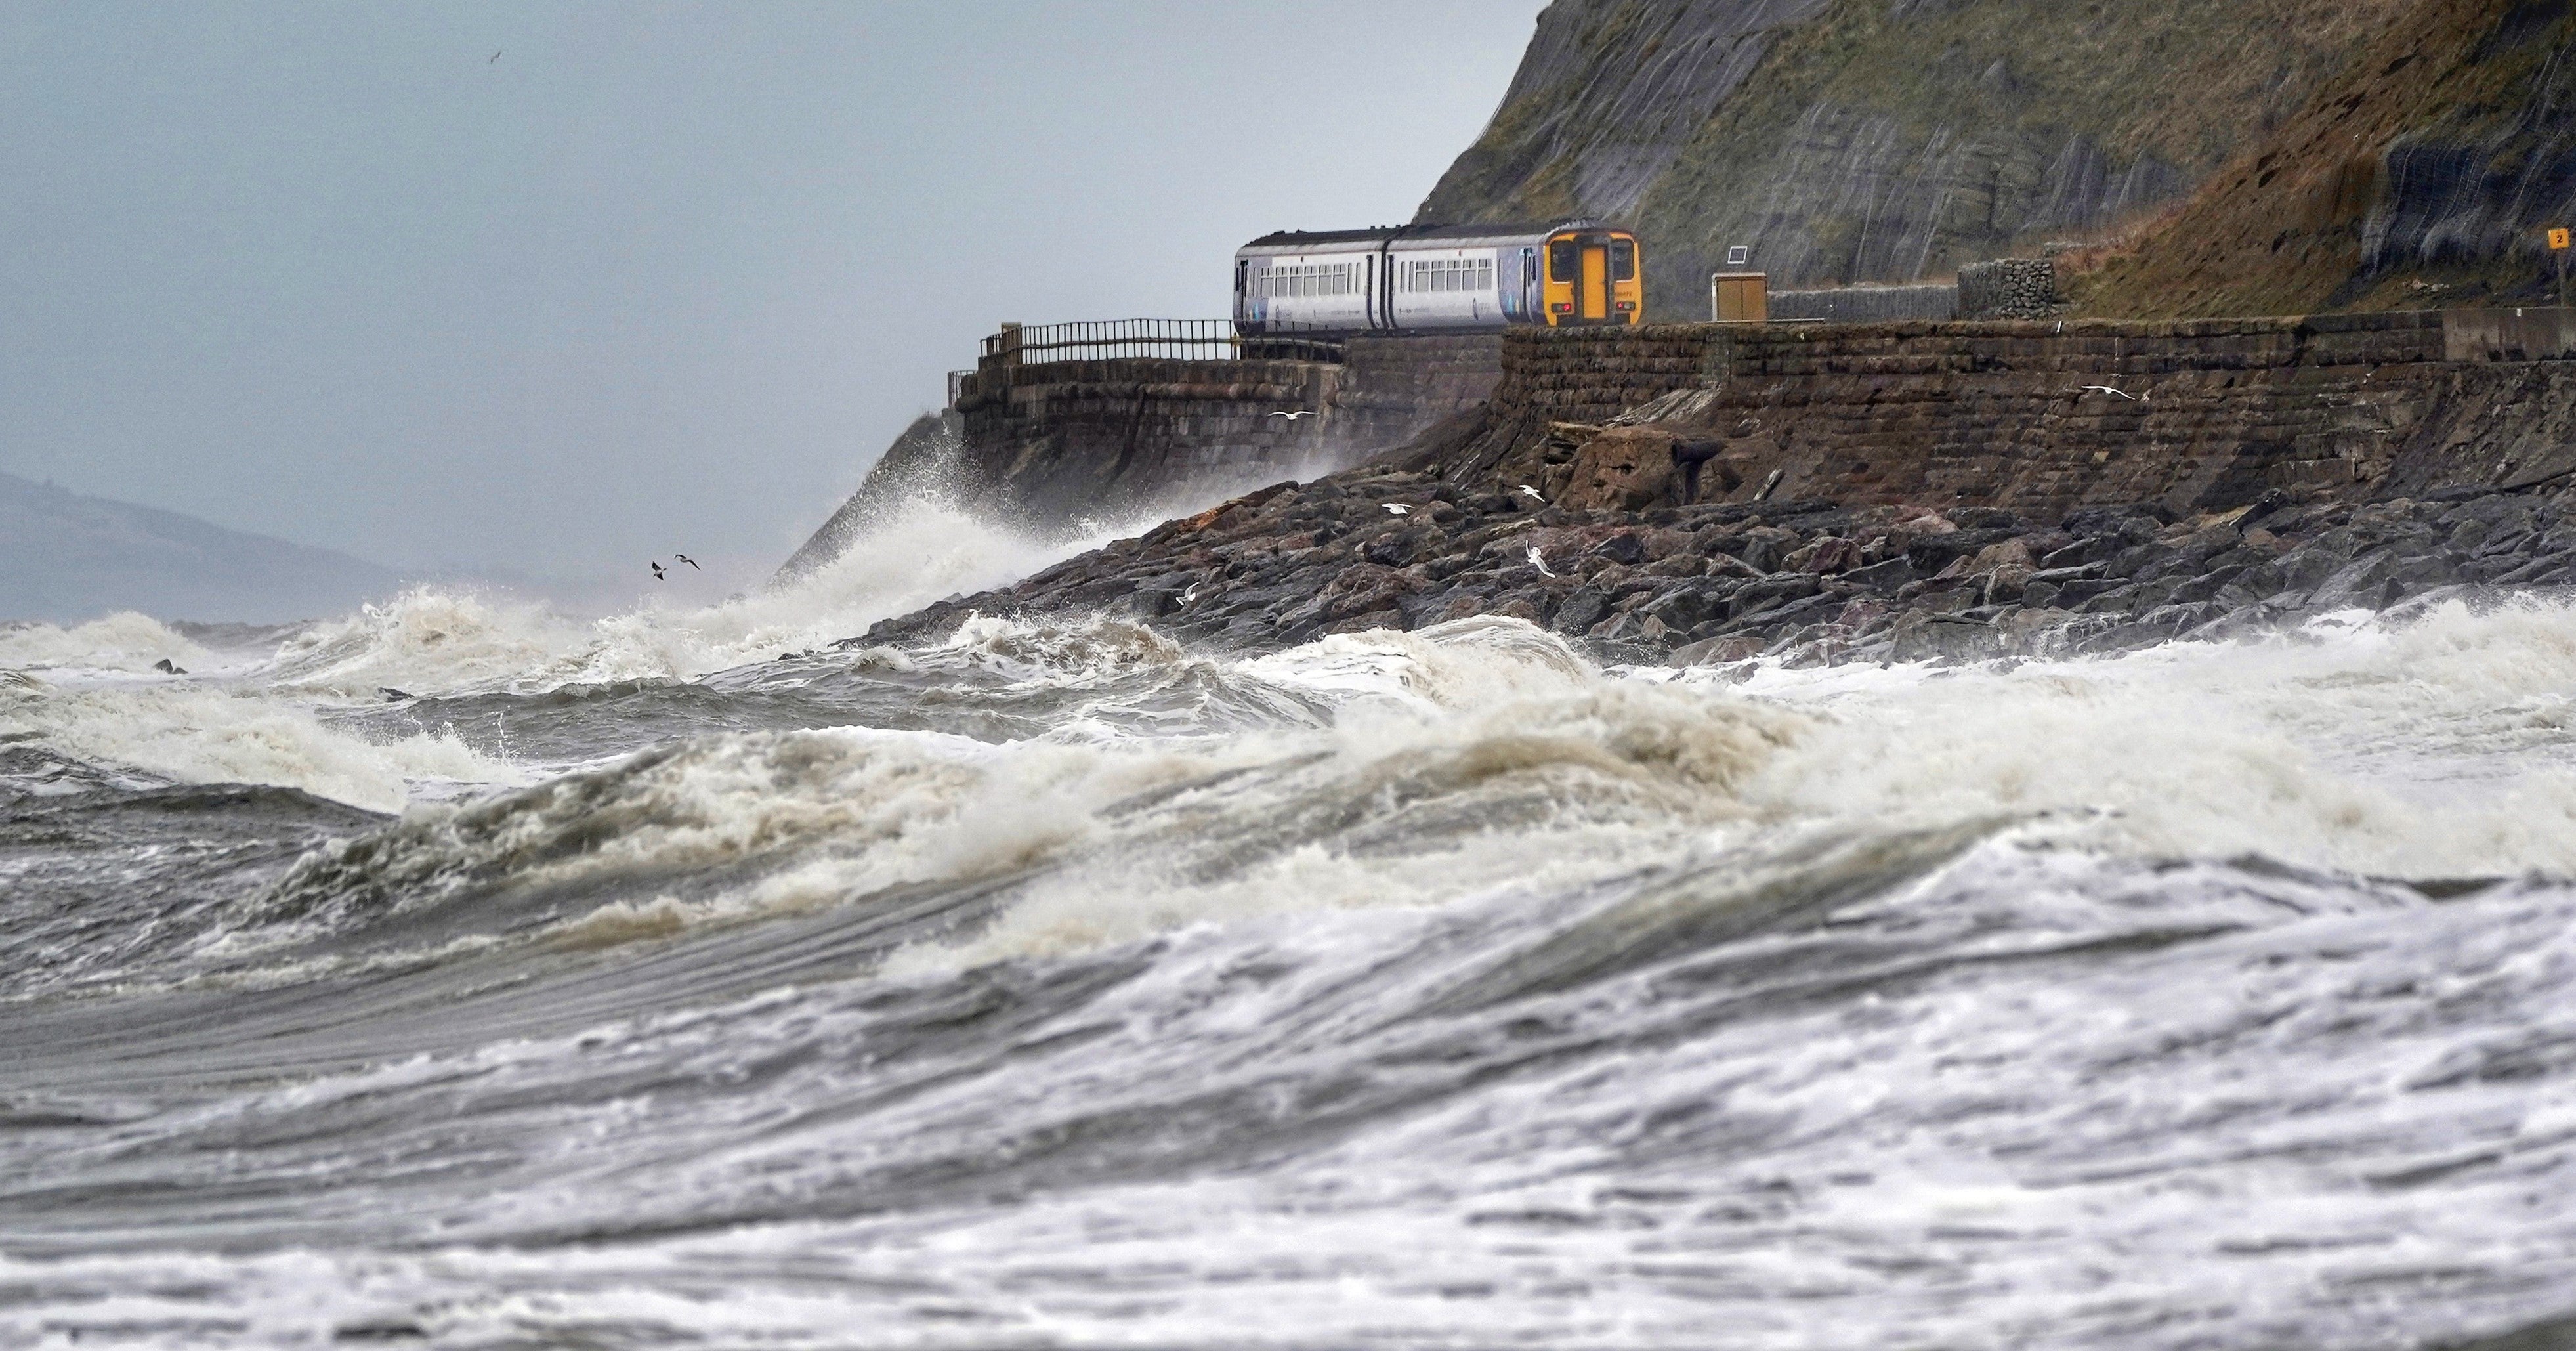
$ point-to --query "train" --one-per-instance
(1438, 279)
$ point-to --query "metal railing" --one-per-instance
(1171, 339)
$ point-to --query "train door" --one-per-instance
(1592, 293)
(1530, 305)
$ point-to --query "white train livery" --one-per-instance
(1438, 278)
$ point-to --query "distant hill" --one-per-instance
(65, 558)
(1889, 140)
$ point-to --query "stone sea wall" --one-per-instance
(2040, 418)
(1069, 439)
(1054, 444)
(1829, 493)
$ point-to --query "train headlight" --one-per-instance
(1561, 307)
(1627, 305)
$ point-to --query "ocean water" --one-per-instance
(459, 974)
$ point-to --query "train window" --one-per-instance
(1560, 260)
(1623, 260)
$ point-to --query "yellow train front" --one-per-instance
(1439, 278)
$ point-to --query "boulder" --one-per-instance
(1622, 469)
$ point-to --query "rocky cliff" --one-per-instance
(2422, 175)
(1886, 140)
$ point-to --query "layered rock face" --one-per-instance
(2424, 174)
(1885, 140)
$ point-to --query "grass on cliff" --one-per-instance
(2287, 227)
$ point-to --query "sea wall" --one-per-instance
(1393, 388)
(1068, 439)
(1062, 441)
(1052, 445)
(2040, 418)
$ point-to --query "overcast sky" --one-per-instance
(658, 277)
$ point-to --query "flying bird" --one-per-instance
(2108, 390)
(1538, 562)
(1191, 594)
(495, 57)
(1396, 508)
(693, 563)
(1531, 493)
(1303, 412)
(656, 566)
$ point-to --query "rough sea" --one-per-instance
(459, 974)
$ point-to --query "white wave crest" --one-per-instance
(435, 640)
(194, 733)
(124, 641)
(2439, 745)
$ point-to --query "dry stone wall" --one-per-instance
(2009, 288)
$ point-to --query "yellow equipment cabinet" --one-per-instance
(1740, 297)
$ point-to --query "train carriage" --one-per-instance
(1438, 278)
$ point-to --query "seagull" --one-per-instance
(1396, 508)
(2108, 390)
(1191, 594)
(657, 570)
(1531, 493)
(1538, 562)
(693, 563)
(1307, 412)
(495, 57)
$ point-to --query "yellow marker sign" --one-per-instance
(2558, 239)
